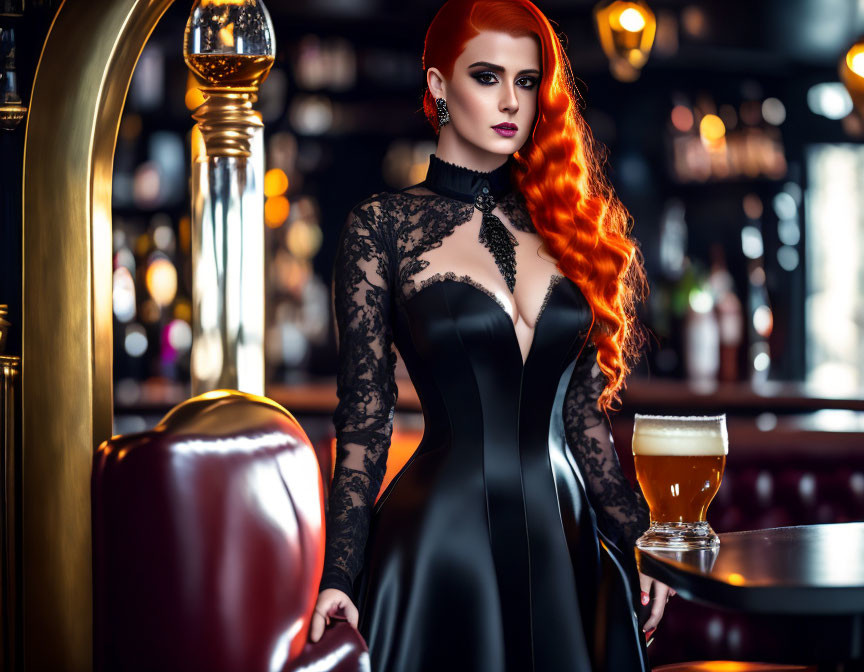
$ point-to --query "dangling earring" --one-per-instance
(443, 112)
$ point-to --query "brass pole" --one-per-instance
(78, 94)
(10, 420)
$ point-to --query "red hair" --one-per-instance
(558, 171)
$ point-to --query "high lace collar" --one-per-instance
(465, 184)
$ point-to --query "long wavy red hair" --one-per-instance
(559, 172)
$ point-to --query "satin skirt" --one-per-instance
(483, 552)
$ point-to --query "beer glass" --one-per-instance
(679, 464)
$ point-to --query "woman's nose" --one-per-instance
(508, 102)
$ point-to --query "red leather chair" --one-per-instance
(208, 544)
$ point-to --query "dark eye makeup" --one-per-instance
(486, 78)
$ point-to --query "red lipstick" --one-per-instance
(506, 129)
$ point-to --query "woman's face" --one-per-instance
(492, 94)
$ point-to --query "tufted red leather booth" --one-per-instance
(208, 544)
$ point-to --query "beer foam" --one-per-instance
(690, 436)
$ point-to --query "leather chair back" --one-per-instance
(208, 540)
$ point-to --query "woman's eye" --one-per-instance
(489, 78)
(485, 78)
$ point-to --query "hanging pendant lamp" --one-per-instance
(626, 29)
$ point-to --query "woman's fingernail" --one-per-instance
(644, 597)
(648, 633)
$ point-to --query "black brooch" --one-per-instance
(497, 238)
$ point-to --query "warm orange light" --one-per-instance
(631, 19)
(736, 579)
(276, 211)
(403, 444)
(712, 128)
(626, 29)
(852, 74)
(275, 182)
(723, 666)
(855, 59)
(161, 281)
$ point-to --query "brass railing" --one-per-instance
(10, 422)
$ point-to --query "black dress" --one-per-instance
(505, 543)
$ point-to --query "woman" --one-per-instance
(507, 282)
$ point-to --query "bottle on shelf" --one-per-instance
(701, 337)
(730, 315)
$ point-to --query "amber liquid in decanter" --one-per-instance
(233, 70)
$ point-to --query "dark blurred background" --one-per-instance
(737, 127)
(737, 151)
(724, 228)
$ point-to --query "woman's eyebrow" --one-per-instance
(500, 68)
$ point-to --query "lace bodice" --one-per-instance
(386, 254)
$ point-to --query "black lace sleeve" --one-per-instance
(622, 513)
(366, 389)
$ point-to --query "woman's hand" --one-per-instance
(661, 596)
(331, 600)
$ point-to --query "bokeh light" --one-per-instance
(276, 211)
(682, 118)
(712, 128)
(135, 340)
(751, 242)
(303, 239)
(163, 237)
(180, 335)
(855, 59)
(161, 281)
(763, 321)
(123, 294)
(631, 19)
(788, 231)
(752, 205)
(788, 258)
(275, 182)
(773, 111)
(829, 99)
(125, 258)
(785, 206)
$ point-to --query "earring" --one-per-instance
(443, 112)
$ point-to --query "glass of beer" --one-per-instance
(679, 464)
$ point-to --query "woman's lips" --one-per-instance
(506, 129)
